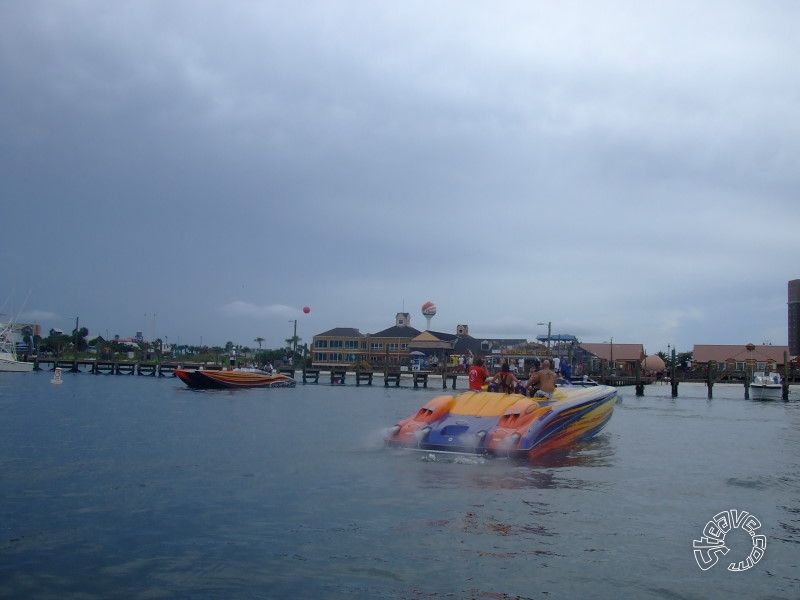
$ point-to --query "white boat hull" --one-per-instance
(765, 392)
(14, 366)
(766, 386)
(8, 354)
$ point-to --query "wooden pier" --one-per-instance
(310, 375)
(338, 376)
(107, 367)
(449, 377)
(391, 376)
(420, 377)
(335, 375)
(714, 375)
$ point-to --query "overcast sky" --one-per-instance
(202, 170)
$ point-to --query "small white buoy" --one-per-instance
(56, 376)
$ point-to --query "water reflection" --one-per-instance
(791, 526)
(597, 452)
(556, 470)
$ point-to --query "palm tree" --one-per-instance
(292, 346)
(258, 340)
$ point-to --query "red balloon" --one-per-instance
(306, 309)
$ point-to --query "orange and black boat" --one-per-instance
(206, 379)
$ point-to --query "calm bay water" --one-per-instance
(134, 487)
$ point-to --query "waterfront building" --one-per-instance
(434, 343)
(444, 348)
(461, 343)
(592, 358)
(738, 359)
(339, 346)
(390, 346)
(347, 346)
(794, 317)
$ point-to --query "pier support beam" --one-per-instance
(785, 385)
(338, 376)
(711, 376)
(672, 381)
(391, 375)
(388, 378)
(311, 375)
(365, 376)
(452, 377)
(748, 376)
(639, 384)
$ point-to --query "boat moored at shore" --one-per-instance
(8, 354)
(765, 386)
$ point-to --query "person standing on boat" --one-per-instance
(566, 369)
(477, 375)
(543, 380)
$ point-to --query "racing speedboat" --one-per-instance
(506, 424)
(204, 379)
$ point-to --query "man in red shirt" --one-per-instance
(477, 375)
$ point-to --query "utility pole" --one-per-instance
(612, 356)
(294, 340)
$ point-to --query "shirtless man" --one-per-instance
(543, 379)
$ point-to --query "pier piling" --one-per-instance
(391, 375)
(639, 384)
(365, 376)
(338, 376)
(785, 384)
(748, 376)
(452, 377)
(420, 377)
(710, 377)
(311, 375)
(673, 382)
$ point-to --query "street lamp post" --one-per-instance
(549, 329)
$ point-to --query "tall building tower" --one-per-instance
(794, 317)
(428, 311)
